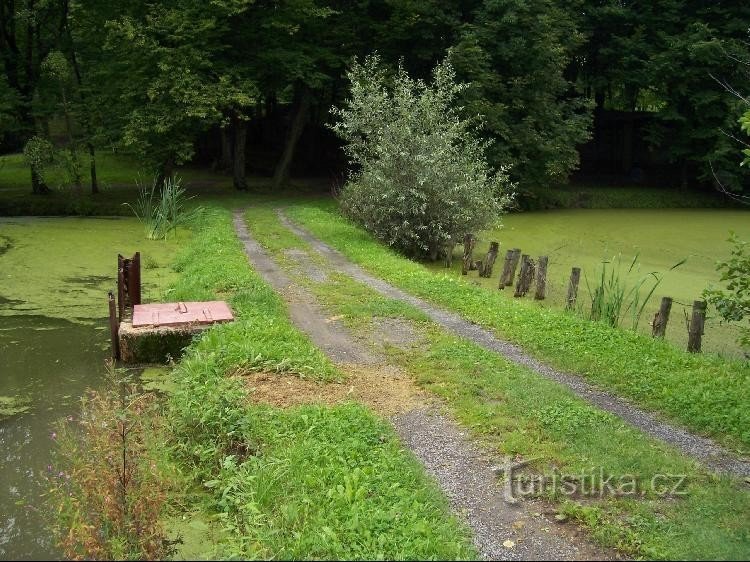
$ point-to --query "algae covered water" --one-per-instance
(54, 340)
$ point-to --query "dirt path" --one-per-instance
(501, 530)
(702, 449)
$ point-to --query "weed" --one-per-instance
(161, 208)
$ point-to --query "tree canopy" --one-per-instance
(545, 77)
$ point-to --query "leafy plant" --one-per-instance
(106, 490)
(39, 154)
(733, 303)
(612, 299)
(420, 177)
(161, 207)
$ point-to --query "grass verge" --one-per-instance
(517, 412)
(705, 393)
(307, 482)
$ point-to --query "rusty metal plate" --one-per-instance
(181, 313)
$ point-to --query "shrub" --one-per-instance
(420, 179)
(733, 303)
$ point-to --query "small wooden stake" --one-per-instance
(541, 279)
(659, 325)
(114, 326)
(468, 260)
(513, 265)
(575, 278)
(489, 260)
(695, 327)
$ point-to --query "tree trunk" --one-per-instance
(239, 178)
(92, 159)
(225, 160)
(300, 110)
(38, 186)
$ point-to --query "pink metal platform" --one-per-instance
(181, 313)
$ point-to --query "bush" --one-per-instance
(733, 304)
(420, 178)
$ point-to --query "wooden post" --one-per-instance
(114, 326)
(120, 286)
(575, 278)
(449, 247)
(468, 261)
(513, 265)
(128, 283)
(695, 327)
(506, 269)
(659, 325)
(525, 276)
(489, 260)
(134, 279)
(541, 279)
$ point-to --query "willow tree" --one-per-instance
(419, 178)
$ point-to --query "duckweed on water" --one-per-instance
(63, 267)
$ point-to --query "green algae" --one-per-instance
(158, 379)
(13, 405)
(63, 267)
(659, 237)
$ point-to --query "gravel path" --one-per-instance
(702, 449)
(500, 530)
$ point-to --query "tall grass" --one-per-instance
(612, 299)
(162, 209)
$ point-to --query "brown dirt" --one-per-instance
(383, 389)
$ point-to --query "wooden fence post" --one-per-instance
(506, 269)
(525, 276)
(489, 260)
(575, 278)
(695, 327)
(541, 278)
(659, 325)
(114, 326)
(468, 260)
(449, 247)
(513, 265)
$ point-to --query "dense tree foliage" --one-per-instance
(153, 78)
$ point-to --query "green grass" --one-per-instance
(704, 392)
(517, 412)
(308, 482)
(117, 175)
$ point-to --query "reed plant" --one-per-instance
(162, 207)
(613, 298)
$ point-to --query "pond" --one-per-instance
(659, 237)
(54, 340)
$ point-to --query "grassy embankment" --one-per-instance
(704, 392)
(306, 482)
(517, 412)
